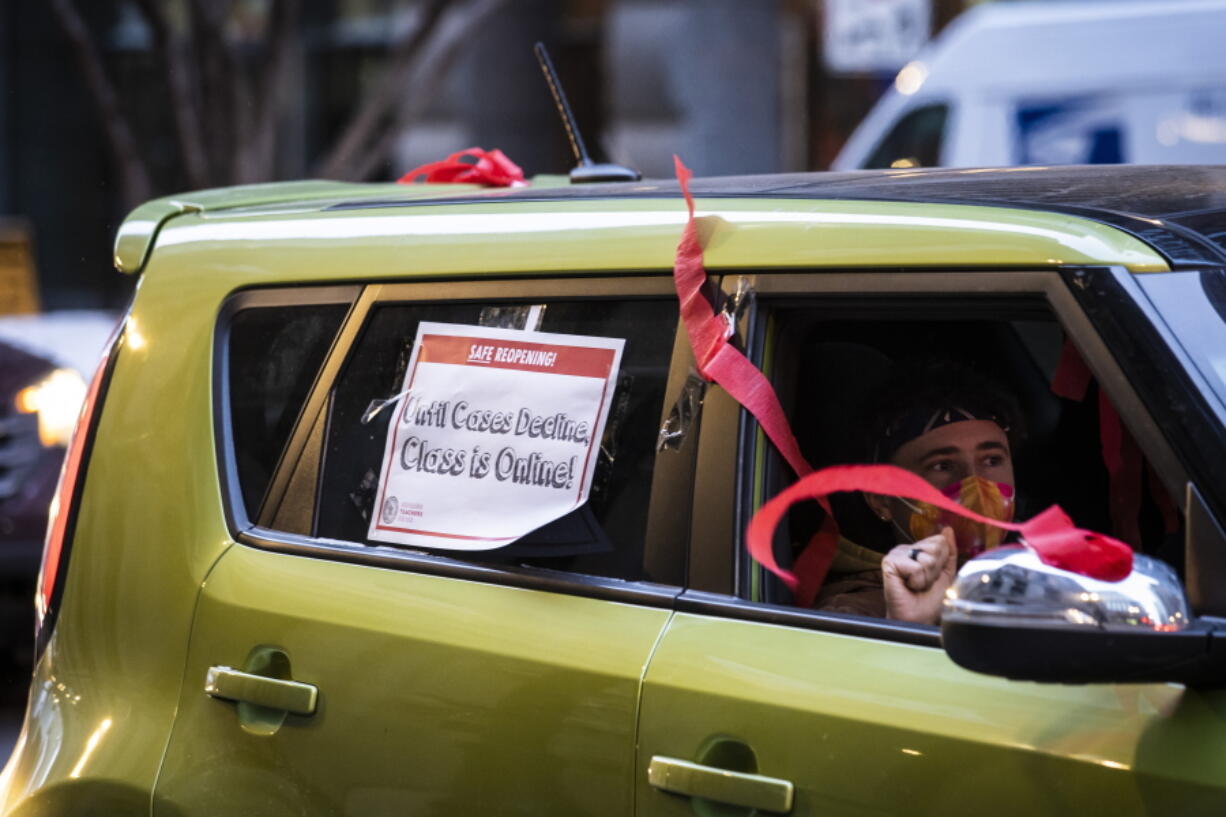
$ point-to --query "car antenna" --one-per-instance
(586, 170)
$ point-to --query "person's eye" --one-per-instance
(994, 460)
(941, 466)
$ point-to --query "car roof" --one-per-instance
(1151, 191)
(1178, 209)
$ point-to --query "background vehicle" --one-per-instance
(218, 633)
(1046, 83)
(45, 360)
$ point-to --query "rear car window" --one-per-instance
(274, 354)
(602, 537)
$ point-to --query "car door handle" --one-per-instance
(721, 785)
(232, 685)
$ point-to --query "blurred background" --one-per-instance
(107, 103)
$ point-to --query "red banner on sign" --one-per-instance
(551, 358)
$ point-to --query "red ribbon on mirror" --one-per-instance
(1050, 534)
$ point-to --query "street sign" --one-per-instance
(873, 36)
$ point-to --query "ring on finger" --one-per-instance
(915, 552)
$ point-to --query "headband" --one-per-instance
(919, 421)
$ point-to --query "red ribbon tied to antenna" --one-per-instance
(490, 168)
(1050, 534)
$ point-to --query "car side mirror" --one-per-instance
(1009, 614)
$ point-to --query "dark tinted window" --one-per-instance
(835, 372)
(274, 355)
(605, 535)
(914, 142)
(1212, 225)
(1078, 130)
(1193, 304)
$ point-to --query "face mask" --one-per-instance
(986, 498)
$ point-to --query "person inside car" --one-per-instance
(955, 429)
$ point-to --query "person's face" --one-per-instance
(953, 452)
(950, 454)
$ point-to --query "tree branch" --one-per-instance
(428, 82)
(278, 53)
(244, 169)
(219, 73)
(184, 101)
(375, 105)
(133, 171)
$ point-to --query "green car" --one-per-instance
(409, 500)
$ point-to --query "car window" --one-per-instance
(834, 373)
(274, 354)
(915, 141)
(1193, 305)
(1089, 129)
(604, 536)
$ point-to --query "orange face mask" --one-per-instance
(986, 498)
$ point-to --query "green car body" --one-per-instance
(449, 688)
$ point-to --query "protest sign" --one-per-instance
(496, 434)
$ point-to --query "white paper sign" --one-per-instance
(497, 434)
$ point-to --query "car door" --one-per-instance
(751, 705)
(329, 674)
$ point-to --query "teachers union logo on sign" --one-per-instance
(499, 434)
(390, 506)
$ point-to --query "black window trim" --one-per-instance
(719, 451)
(1120, 310)
(361, 299)
(233, 506)
(529, 578)
(725, 606)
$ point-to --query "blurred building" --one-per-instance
(732, 86)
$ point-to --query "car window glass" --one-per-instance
(602, 537)
(274, 354)
(1193, 304)
(835, 373)
(914, 142)
(1086, 129)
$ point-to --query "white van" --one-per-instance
(1029, 83)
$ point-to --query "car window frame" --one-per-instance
(1115, 302)
(665, 542)
(725, 592)
(233, 506)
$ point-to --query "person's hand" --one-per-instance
(916, 576)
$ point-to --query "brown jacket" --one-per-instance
(854, 583)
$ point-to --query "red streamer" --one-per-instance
(1051, 534)
(1124, 463)
(489, 168)
(717, 359)
(1122, 456)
